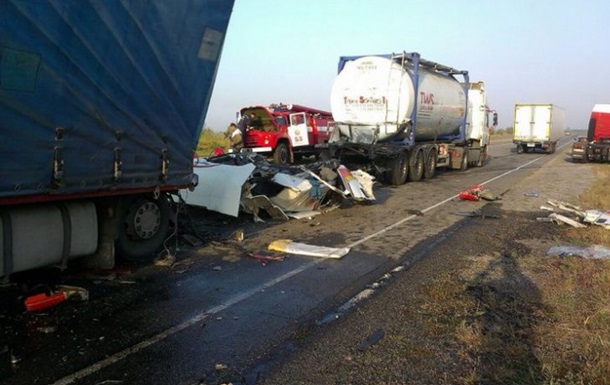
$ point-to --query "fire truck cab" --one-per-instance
(285, 132)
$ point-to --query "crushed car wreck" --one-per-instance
(246, 182)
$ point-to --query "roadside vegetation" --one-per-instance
(210, 140)
(527, 319)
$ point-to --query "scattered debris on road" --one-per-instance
(246, 182)
(290, 247)
(478, 192)
(62, 293)
(589, 252)
(580, 217)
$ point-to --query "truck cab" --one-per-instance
(596, 145)
(284, 132)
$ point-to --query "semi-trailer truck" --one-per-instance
(101, 106)
(538, 126)
(595, 147)
(403, 117)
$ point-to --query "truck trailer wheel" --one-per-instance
(398, 170)
(482, 157)
(464, 165)
(143, 222)
(416, 165)
(281, 155)
(431, 160)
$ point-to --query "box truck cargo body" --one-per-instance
(102, 103)
(538, 126)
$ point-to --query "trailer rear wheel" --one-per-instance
(398, 170)
(143, 224)
(416, 165)
(431, 160)
(482, 157)
(281, 155)
(464, 165)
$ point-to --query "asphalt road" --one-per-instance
(222, 317)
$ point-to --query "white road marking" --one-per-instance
(249, 293)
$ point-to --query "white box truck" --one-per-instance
(538, 126)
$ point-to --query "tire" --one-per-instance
(430, 163)
(482, 157)
(416, 165)
(143, 222)
(281, 155)
(464, 165)
(399, 170)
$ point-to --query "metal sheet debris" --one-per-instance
(219, 187)
(581, 218)
(290, 247)
(589, 252)
(234, 182)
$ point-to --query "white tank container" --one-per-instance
(376, 93)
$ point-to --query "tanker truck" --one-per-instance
(101, 106)
(403, 117)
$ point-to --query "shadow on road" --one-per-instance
(510, 302)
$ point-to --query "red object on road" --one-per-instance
(472, 193)
(43, 301)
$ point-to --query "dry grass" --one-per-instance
(526, 319)
(209, 140)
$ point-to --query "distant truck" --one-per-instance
(401, 117)
(284, 132)
(538, 126)
(595, 147)
(101, 107)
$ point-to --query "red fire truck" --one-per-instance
(286, 132)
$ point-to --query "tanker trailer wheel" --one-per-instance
(398, 169)
(281, 155)
(482, 157)
(431, 160)
(143, 222)
(416, 165)
(464, 165)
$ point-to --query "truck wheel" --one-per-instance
(482, 157)
(416, 165)
(464, 165)
(281, 155)
(399, 170)
(585, 157)
(519, 149)
(142, 226)
(431, 159)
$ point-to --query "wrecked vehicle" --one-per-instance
(101, 106)
(401, 117)
(242, 182)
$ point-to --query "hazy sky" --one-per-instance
(535, 51)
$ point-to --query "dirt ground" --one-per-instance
(432, 322)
